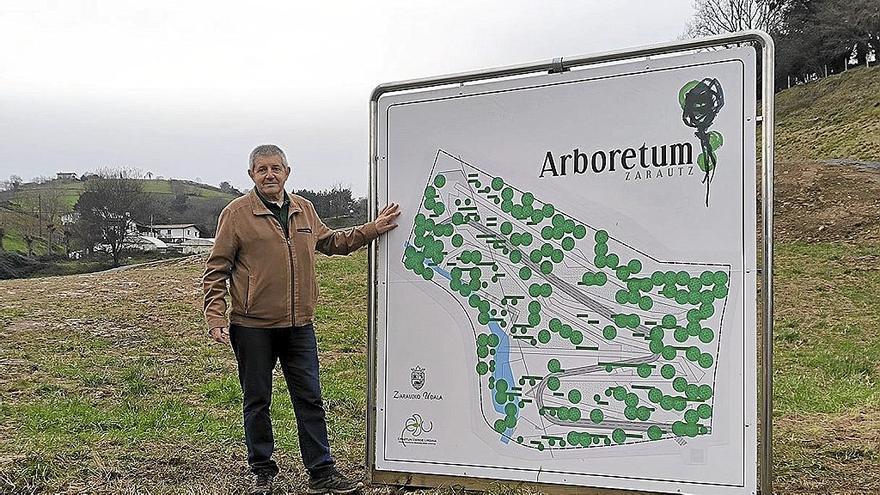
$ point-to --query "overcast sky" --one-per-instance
(187, 88)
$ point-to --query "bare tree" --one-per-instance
(52, 207)
(7, 225)
(46, 205)
(27, 227)
(728, 16)
(28, 220)
(106, 209)
(50, 230)
(29, 239)
(15, 182)
(68, 235)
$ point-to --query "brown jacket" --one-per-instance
(271, 278)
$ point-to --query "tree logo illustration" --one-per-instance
(700, 103)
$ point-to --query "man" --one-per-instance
(265, 247)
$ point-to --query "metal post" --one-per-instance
(372, 289)
(768, 54)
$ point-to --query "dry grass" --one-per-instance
(834, 117)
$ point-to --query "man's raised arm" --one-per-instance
(344, 242)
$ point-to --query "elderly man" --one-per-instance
(265, 247)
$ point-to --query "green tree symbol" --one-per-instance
(700, 103)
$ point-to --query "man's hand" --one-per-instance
(387, 218)
(220, 334)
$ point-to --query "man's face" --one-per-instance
(269, 175)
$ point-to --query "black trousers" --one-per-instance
(256, 350)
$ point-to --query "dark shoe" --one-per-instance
(262, 486)
(334, 482)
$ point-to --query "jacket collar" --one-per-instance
(259, 208)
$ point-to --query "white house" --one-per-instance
(174, 233)
(185, 238)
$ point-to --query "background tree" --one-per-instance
(9, 223)
(30, 203)
(46, 205)
(814, 38)
(51, 228)
(229, 189)
(67, 236)
(202, 213)
(29, 240)
(107, 207)
(360, 211)
(15, 182)
(311, 196)
(87, 233)
(27, 227)
(2, 235)
(339, 201)
(26, 219)
(842, 28)
(728, 16)
(337, 205)
(819, 37)
(53, 206)
(180, 202)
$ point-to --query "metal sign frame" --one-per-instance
(766, 119)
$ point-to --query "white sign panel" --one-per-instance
(570, 296)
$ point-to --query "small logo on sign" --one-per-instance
(417, 377)
(414, 429)
(415, 425)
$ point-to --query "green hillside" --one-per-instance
(70, 190)
(178, 201)
(834, 117)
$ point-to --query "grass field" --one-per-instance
(109, 384)
(834, 117)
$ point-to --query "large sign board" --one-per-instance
(571, 296)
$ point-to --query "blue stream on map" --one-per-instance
(502, 358)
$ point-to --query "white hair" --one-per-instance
(267, 150)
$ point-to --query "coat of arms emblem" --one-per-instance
(417, 377)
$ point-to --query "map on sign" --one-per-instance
(582, 339)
